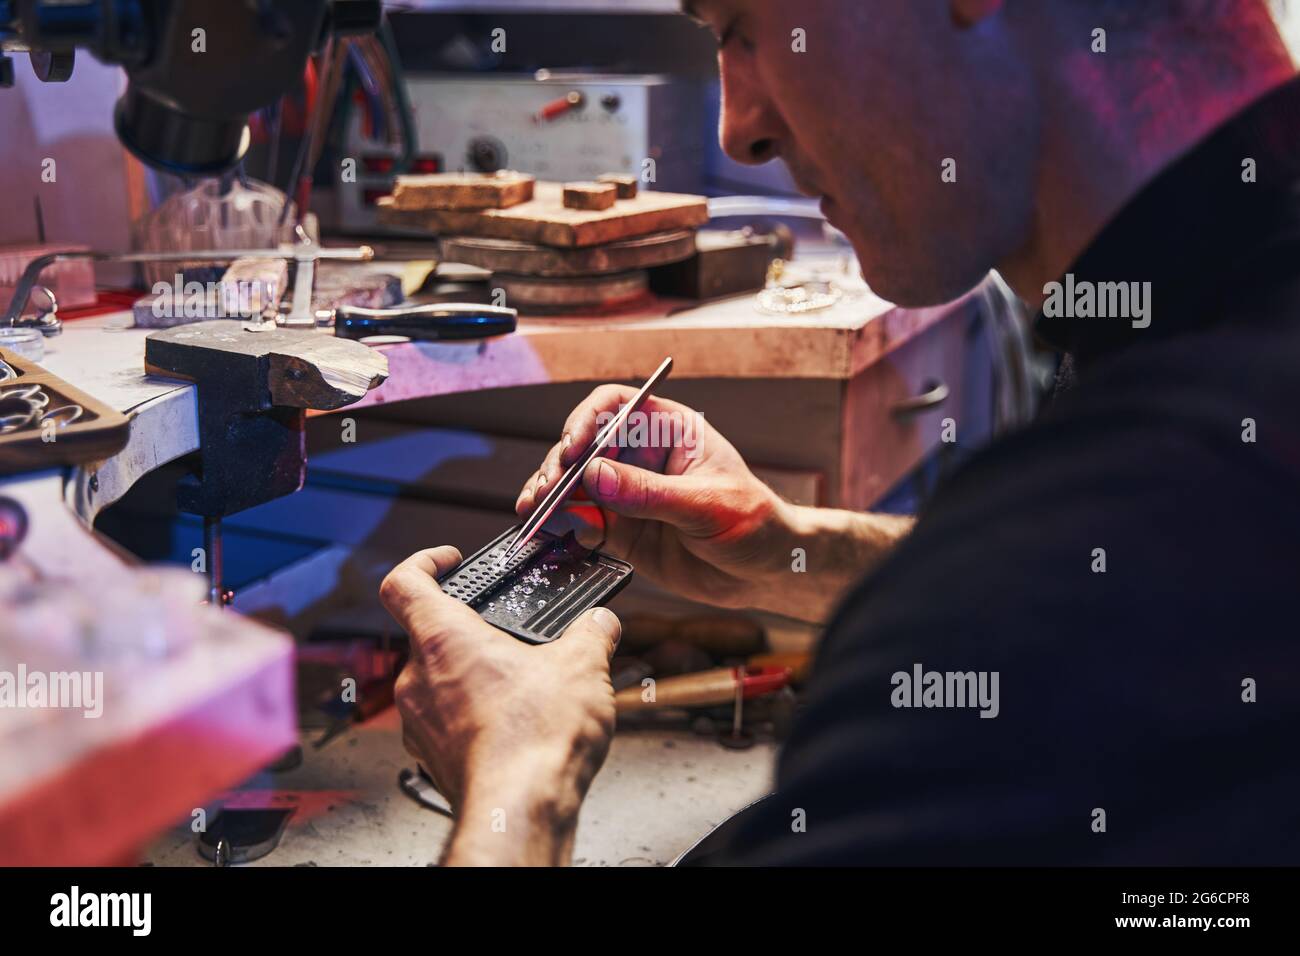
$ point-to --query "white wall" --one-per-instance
(71, 123)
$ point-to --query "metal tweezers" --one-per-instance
(569, 480)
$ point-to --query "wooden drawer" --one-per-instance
(894, 413)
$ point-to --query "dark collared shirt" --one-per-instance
(1147, 713)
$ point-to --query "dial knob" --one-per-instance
(486, 155)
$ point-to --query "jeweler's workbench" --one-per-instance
(724, 340)
(834, 392)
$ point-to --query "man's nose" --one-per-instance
(750, 128)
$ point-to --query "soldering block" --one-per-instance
(541, 590)
(590, 197)
(463, 192)
(625, 185)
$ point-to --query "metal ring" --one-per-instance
(32, 393)
(47, 320)
(53, 308)
(6, 371)
(12, 419)
(63, 416)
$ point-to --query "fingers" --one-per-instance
(678, 500)
(582, 425)
(412, 595)
(595, 632)
(538, 484)
(580, 430)
(433, 562)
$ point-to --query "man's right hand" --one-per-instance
(692, 517)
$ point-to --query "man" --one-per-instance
(1112, 586)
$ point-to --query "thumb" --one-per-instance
(412, 596)
(597, 630)
(637, 493)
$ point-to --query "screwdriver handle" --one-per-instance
(438, 322)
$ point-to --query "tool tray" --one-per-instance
(99, 433)
(540, 591)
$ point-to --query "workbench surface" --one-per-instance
(658, 793)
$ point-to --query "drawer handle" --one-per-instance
(935, 394)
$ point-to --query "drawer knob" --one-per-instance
(935, 394)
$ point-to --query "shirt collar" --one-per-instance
(1196, 233)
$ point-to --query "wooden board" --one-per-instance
(545, 221)
(590, 196)
(462, 191)
(589, 295)
(530, 259)
(626, 185)
(99, 433)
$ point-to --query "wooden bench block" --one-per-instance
(590, 197)
(545, 220)
(463, 191)
(626, 185)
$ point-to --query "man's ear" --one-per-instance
(968, 13)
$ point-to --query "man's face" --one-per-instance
(867, 118)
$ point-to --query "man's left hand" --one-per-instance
(511, 734)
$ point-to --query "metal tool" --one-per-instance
(242, 834)
(538, 593)
(171, 115)
(214, 548)
(739, 738)
(569, 480)
(305, 253)
(417, 785)
(439, 322)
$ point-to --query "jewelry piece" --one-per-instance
(32, 393)
(796, 300)
(786, 295)
(6, 371)
(63, 416)
(16, 413)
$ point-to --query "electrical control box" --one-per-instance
(555, 126)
